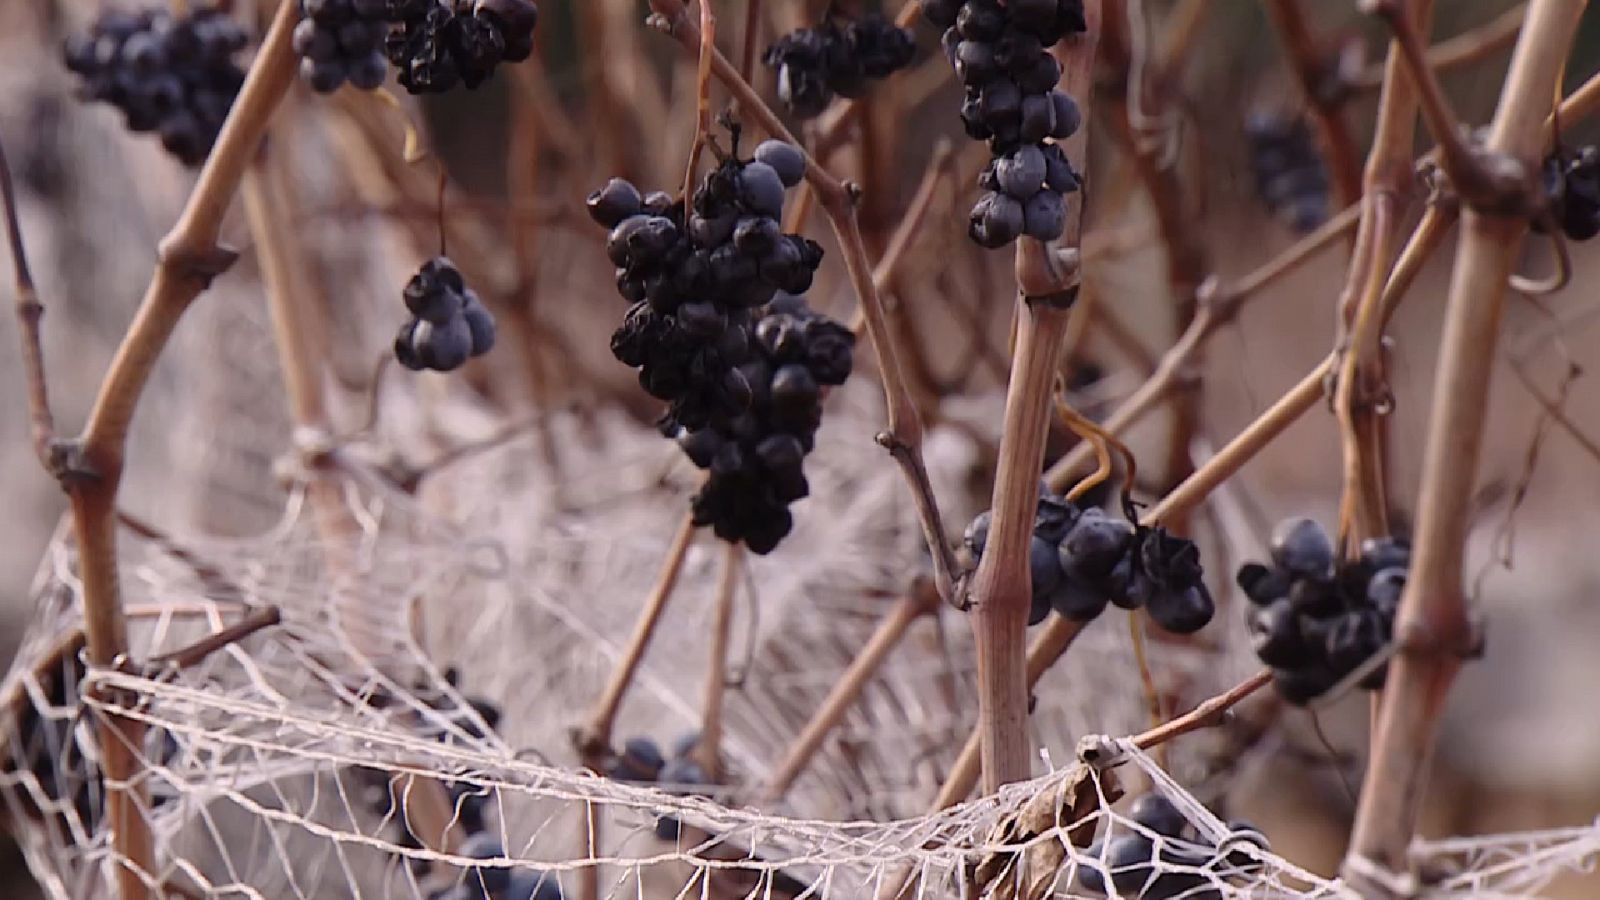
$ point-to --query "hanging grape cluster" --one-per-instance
(172, 75)
(1001, 54)
(340, 41)
(433, 44)
(836, 58)
(1143, 869)
(718, 330)
(442, 43)
(1317, 619)
(449, 323)
(1572, 186)
(1080, 560)
(1288, 170)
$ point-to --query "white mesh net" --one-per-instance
(301, 761)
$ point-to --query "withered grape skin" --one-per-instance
(1000, 53)
(1080, 561)
(450, 324)
(717, 329)
(1315, 619)
(836, 58)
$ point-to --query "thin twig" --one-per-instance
(1552, 408)
(1219, 304)
(702, 95)
(839, 201)
(594, 739)
(29, 312)
(196, 652)
(1206, 715)
(708, 751)
(1386, 182)
(1433, 627)
(909, 228)
(189, 258)
(1471, 46)
(753, 19)
(919, 601)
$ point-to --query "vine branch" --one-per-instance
(1433, 628)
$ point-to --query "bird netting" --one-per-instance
(406, 729)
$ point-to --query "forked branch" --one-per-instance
(1433, 628)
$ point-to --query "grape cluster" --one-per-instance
(1288, 171)
(1315, 619)
(641, 761)
(441, 43)
(814, 64)
(342, 40)
(740, 367)
(449, 323)
(1141, 870)
(1082, 559)
(1572, 184)
(1001, 54)
(173, 75)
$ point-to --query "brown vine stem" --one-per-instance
(1433, 627)
(910, 227)
(189, 258)
(1047, 280)
(1206, 715)
(702, 94)
(29, 311)
(1478, 177)
(753, 13)
(1471, 46)
(838, 200)
(1218, 305)
(594, 738)
(708, 751)
(1386, 182)
(1311, 69)
(920, 600)
(1059, 632)
(196, 652)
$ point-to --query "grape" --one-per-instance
(1301, 547)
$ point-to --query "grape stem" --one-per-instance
(1361, 379)
(839, 201)
(1433, 628)
(1207, 715)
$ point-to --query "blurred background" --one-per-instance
(606, 95)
